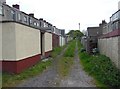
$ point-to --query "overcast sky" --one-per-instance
(66, 14)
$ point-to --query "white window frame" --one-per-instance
(35, 23)
(38, 24)
(30, 21)
(25, 19)
(19, 17)
(1, 10)
(13, 14)
(44, 24)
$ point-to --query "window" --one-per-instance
(30, 21)
(1, 10)
(13, 14)
(19, 17)
(44, 25)
(35, 23)
(25, 19)
(38, 24)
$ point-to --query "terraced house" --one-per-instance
(24, 40)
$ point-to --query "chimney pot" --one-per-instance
(16, 6)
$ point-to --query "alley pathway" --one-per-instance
(77, 77)
(50, 78)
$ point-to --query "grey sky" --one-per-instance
(66, 14)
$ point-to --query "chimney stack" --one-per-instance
(41, 19)
(31, 14)
(16, 6)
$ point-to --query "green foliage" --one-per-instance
(102, 69)
(70, 50)
(56, 51)
(75, 34)
(82, 50)
(64, 66)
(65, 63)
(11, 79)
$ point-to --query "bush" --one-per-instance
(102, 69)
(82, 50)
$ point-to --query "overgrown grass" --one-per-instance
(66, 62)
(10, 80)
(70, 50)
(56, 51)
(102, 69)
(64, 66)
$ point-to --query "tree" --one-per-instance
(75, 34)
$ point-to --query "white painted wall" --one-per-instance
(8, 41)
(48, 41)
(20, 41)
(27, 41)
(61, 41)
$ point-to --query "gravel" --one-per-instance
(50, 78)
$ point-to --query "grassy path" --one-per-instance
(77, 76)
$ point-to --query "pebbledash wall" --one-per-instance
(111, 48)
(20, 47)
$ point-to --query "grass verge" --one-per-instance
(66, 62)
(64, 66)
(102, 69)
(57, 51)
(71, 49)
(11, 80)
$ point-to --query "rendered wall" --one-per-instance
(111, 48)
(19, 41)
(8, 41)
(48, 42)
(27, 41)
